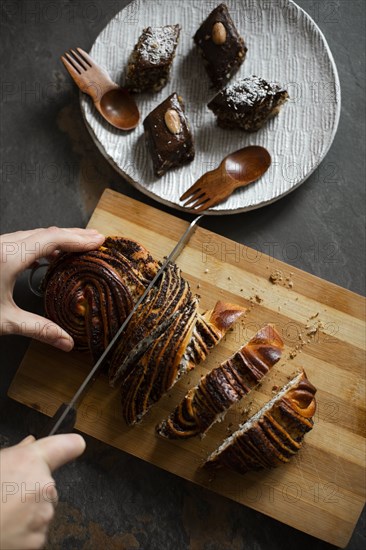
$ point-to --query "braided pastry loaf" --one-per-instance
(274, 434)
(91, 294)
(223, 386)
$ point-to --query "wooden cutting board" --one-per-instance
(322, 491)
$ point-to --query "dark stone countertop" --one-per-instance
(52, 174)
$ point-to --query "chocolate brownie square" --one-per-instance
(221, 46)
(248, 103)
(151, 60)
(168, 135)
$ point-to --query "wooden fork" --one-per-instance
(87, 75)
(236, 170)
(113, 102)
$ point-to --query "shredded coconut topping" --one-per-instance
(158, 44)
(249, 91)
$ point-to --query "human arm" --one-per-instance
(20, 251)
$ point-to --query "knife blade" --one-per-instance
(65, 417)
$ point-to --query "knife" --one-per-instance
(65, 417)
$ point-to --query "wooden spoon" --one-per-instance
(236, 170)
(113, 102)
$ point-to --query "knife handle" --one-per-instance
(62, 422)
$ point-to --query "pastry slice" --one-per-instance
(274, 434)
(248, 103)
(221, 46)
(225, 385)
(151, 60)
(168, 135)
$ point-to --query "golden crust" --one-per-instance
(223, 316)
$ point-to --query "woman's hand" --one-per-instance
(20, 251)
(28, 491)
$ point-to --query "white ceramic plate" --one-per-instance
(284, 45)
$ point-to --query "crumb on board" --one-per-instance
(277, 277)
(312, 328)
(297, 349)
(254, 300)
